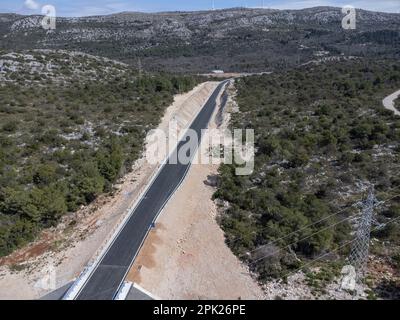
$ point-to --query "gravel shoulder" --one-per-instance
(185, 256)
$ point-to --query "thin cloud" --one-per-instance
(101, 7)
(31, 4)
(373, 5)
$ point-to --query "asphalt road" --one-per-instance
(105, 280)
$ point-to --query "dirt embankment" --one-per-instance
(61, 253)
(185, 256)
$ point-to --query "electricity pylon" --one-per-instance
(360, 251)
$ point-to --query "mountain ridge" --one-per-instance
(205, 11)
(237, 39)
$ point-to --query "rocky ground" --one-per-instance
(186, 257)
(60, 254)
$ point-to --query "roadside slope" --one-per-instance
(186, 257)
(67, 249)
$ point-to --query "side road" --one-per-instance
(388, 102)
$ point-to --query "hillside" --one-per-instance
(233, 39)
(65, 136)
(43, 67)
(322, 137)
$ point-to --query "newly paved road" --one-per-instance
(104, 282)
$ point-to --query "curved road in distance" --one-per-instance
(388, 102)
(109, 274)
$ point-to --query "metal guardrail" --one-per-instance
(124, 291)
(81, 280)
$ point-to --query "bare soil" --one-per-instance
(65, 250)
(185, 256)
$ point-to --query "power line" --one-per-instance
(318, 258)
(140, 68)
(335, 250)
(305, 238)
(315, 233)
(301, 229)
(298, 230)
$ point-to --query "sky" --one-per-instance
(74, 8)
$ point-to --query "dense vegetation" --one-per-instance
(238, 39)
(322, 136)
(64, 143)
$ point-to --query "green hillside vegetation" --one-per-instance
(234, 40)
(322, 135)
(62, 145)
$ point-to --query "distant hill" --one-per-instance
(71, 125)
(235, 39)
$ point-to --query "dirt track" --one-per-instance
(388, 102)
